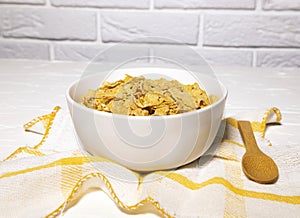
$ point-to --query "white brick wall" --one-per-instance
(198, 4)
(77, 52)
(120, 26)
(138, 4)
(264, 33)
(281, 4)
(252, 30)
(278, 58)
(211, 55)
(40, 23)
(36, 2)
(24, 50)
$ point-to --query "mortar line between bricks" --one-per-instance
(78, 42)
(275, 49)
(205, 9)
(252, 47)
(64, 42)
(220, 11)
(81, 8)
(16, 4)
(50, 39)
(258, 6)
(47, 4)
(83, 42)
(226, 49)
(101, 8)
(151, 5)
(215, 11)
(254, 58)
(51, 52)
(200, 31)
(98, 27)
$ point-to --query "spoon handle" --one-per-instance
(248, 136)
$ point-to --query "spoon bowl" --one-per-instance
(256, 165)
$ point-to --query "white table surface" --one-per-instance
(32, 88)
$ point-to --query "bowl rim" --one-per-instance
(104, 113)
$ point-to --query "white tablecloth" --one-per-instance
(32, 88)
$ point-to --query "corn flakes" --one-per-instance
(138, 96)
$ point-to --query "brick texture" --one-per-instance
(128, 26)
(227, 57)
(48, 24)
(100, 53)
(138, 4)
(196, 4)
(252, 30)
(35, 2)
(79, 52)
(281, 4)
(278, 58)
(24, 50)
(224, 32)
(189, 56)
(76, 52)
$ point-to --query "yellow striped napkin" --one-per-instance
(46, 179)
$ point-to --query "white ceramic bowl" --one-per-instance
(147, 143)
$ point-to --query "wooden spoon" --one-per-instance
(256, 165)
